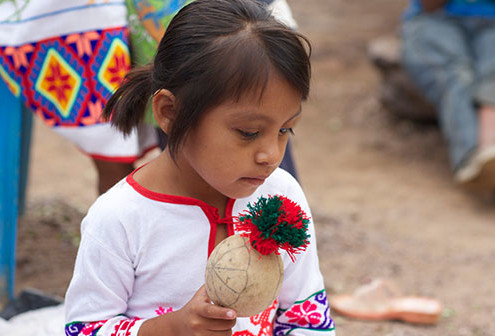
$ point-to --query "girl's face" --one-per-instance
(237, 145)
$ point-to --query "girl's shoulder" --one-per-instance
(111, 207)
(116, 197)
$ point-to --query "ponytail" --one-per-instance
(127, 106)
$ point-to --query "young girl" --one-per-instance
(227, 84)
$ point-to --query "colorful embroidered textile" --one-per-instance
(143, 254)
(311, 313)
(66, 79)
(65, 58)
(148, 20)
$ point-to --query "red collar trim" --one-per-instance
(210, 211)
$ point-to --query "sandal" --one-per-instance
(381, 300)
(479, 171)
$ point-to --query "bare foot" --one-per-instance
(486, 115)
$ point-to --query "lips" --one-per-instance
(258, 180)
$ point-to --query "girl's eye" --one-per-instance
(248, 135)
(284, 130)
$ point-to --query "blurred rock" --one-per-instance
(29, 299)
(397, 93)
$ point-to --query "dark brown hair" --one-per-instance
(212, 51)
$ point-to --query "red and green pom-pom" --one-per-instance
(275, 222)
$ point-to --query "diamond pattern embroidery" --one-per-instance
(13, 86)
(58, 82)
(115, 65)
(66, 80)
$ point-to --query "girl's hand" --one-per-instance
(199, 317)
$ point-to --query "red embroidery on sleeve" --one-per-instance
(123, 328)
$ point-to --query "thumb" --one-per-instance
(202, 295)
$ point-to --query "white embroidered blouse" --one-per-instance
(144, 254)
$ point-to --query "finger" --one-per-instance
(220, 325)
(212, 311)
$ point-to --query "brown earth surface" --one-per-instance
(380, 188)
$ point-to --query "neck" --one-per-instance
(166, 176)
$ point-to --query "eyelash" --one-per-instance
(248, 135)
(254, 135)
(284, 130)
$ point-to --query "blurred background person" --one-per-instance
(448, 49)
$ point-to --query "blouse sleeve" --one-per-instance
(303, 304)
(96, 300)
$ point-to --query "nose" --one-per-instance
(270, 152)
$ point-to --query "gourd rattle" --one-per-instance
(245, 271)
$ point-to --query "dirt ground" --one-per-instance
(380, 188)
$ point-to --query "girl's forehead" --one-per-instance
(272, 88)
(259, 111)
(276, 99)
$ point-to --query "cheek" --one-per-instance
(216, 158)
(226, 160)
(217, 153)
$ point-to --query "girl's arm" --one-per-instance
(103, 282)
(303, 304)
(198, 317)
(304, 307)
(432, 5)
(103, 278)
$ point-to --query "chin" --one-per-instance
(242, 193)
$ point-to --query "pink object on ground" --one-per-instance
(382, 300)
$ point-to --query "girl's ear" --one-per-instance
(164, 105)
